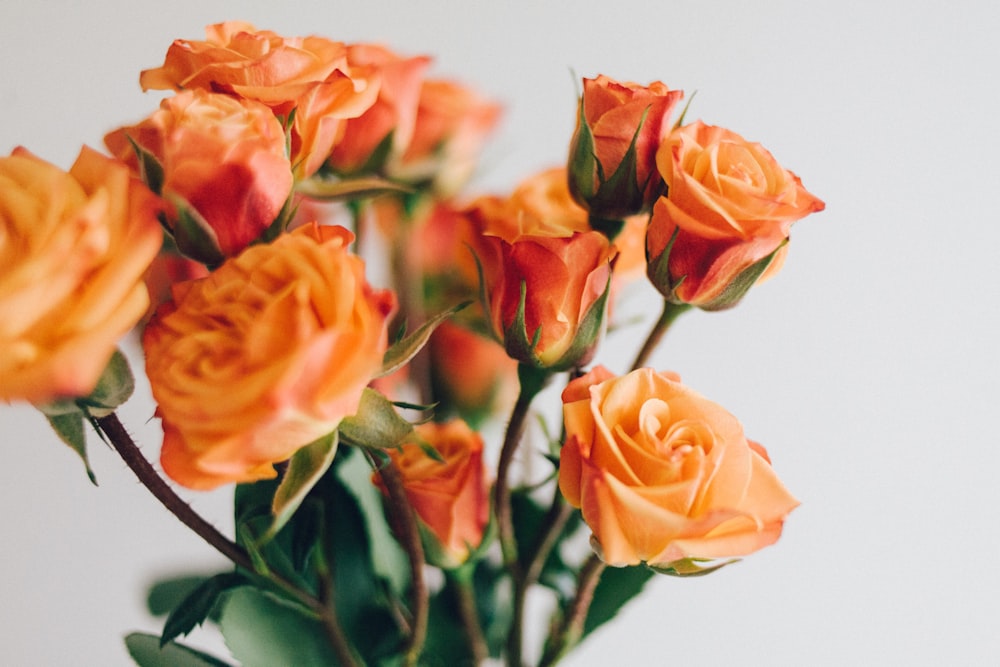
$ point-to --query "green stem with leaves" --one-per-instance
(570, 630)
(671, 311)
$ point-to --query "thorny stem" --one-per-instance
(571, 628)
(122, 442)
(409, 535)
(465, 601)
(671, 311)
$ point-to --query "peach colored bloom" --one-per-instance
(452, 497)
(729, 206)
(308, 74)
(663, 474)
(265, 355)
(222, 158)
(73, 247)
(531, 240)
(451, 126)
(394, 111)
(616, 114)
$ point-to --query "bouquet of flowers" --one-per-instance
(398, 488)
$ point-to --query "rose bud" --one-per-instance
(612, 161)
(220, 164)
(263, 356)
(725, 220)
(73, 247)
(663, 474)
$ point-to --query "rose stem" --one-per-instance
(571, 628)
(406, 523)
(119, 438)
(532, 380)
(671, 312)
(465, 599)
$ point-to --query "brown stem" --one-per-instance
(465, 599)
(571, 628)
(408, 533)
(671, 312)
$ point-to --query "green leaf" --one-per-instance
(114, 387)
(165, 594)
(193, 235)
(529, 522)
(263, 630)
(376, 424)
(691, 567)
(305, 468)
(353, 188)
(404, 350)
(145, 650)
(197, 605)
(617, 586)
(69, 428)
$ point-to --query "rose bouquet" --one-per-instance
(393, 502)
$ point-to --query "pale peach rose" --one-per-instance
(263, 356)
(394, 112)
(729, 205)
(452, 497)
(531, 240)
(308, 74)
(616, 114)
(73, 249)
(451, 126)
(663, 474)
(222, 157)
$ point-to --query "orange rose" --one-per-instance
(391, 117)
(727, 214)
(73, 249)
(663, 474)
(529, 241)
(451, 498)
(223, 160)
(308, 74)
(612, 116)
(265, 355)
(452, 124)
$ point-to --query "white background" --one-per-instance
(868, 367)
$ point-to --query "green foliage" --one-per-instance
(146, 651)
(617, 586)
(376, 424)
(198, 605)
(407, 348)
(305, 468)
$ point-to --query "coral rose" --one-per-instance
(611, 117)
(263, 356)
(546, 283)
(223, 161)
(451, 498)
(663, 474)
(73, 250)
(726, 217)
(308, 74)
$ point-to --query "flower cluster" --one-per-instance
(356, 420)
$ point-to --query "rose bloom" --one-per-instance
(663, 474)
(222, 157)
(265, 355)
(73, 249)
(451, 126)
(730, 205)
(616, 113)
(451, 498)
(393, 112)
(308, 74)
(531, 239)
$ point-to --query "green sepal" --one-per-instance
(198, 605)
(114, 387)
(588, 333)
(741, 284)
(280, 222)
(690, 567)
(146, 651)
(515, 337)
(348, 189)
(583, 161)
(376, 425)
(69, 428)
(658, 269)
(307, 465)
(407, 347)
(194, 237)
(150, 168)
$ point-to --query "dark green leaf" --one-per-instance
(304, 469)
(69, 428)
(529, 522)
(150, 169)
(198, 604)
(145, 650)
(617, 586)
(164, 595)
